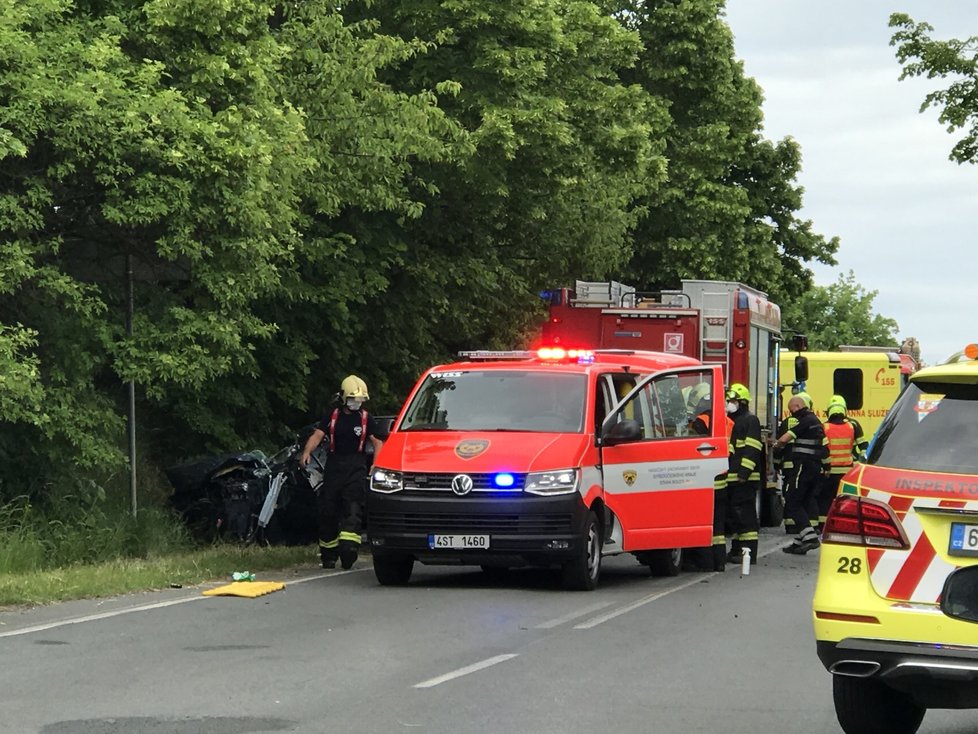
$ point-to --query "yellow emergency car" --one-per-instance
(896, 602)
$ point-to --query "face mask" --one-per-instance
(797, 413)
(353, 403)
(733, 406)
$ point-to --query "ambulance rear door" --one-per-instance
(659, 463)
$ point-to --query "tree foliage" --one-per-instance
(838, 314)
(728, 209)
(954, 60)
(308, 189)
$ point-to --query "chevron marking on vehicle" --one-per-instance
(916, 575)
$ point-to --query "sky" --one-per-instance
(876, 171)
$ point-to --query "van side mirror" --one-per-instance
(622, 432)
(801, 368)
(799, 343)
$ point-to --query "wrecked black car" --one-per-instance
(253, 498)
(250, 497)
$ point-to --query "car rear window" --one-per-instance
(498, 400)
(931, 427)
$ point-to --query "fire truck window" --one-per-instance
(848, 382)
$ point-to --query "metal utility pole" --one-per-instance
(132, 389)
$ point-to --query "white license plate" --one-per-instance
(964, 539)
(459, 542)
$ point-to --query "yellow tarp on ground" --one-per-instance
(249, 589)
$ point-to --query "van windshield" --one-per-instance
(498, 400)
(931, 427)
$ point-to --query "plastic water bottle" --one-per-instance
(745, 562)
(243, 576)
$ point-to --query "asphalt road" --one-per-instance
(454, 652)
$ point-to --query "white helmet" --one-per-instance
(354, 387)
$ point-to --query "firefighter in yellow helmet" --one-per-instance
(744, 476)
(846, 445)
(808, 453)
(347, 428)
(783, 463)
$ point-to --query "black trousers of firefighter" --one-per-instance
(800, 504)
(742, 523)
(828, 488)
(714, 557)
(340, 505)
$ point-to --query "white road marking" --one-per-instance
(430, 683)
(635, 605)
(653, 597)
(149, 607)
(572, 615)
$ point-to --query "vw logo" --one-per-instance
(461, 484)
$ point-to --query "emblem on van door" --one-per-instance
(629, 477)
(461, 484)
(470, 448)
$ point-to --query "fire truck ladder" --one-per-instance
(716, 329)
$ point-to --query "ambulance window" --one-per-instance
(848, 382)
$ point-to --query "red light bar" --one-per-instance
(560, 354)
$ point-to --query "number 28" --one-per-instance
(850, 565)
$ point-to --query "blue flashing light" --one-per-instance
(504, 479)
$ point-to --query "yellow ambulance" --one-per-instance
(870, 382)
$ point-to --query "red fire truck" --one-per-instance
(716, 322)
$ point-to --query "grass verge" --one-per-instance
(124, 576)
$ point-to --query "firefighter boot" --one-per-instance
(348, 554)
(719, 557)
(735, 552)
(327, 556)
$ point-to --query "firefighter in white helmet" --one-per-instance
(340, 503)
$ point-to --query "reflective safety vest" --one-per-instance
(332, 430)
(842, 437)
(705, 419)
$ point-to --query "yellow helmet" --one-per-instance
(738, 392)
(835, 409)
(840, 401)
(354, 387)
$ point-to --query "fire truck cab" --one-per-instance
(554, 458)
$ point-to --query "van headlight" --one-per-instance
(562, 481)
(386, 481)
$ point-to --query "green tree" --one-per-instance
(841, 313)
(729, 208)
(560, 151)
(954, 59)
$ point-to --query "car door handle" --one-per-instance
(706, 448)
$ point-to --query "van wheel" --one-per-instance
(868, 706)
(667, 562)
(582, 573)
(393, 569)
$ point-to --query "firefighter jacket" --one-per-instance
(807, 440)
(841, 437)
(782, 454)
(746, 448)
(860, 442)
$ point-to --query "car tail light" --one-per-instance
(860, 521)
